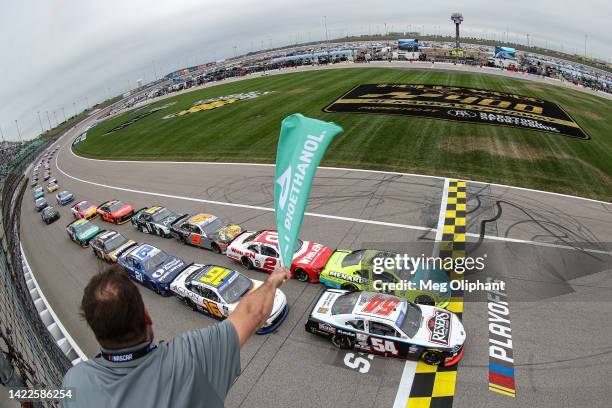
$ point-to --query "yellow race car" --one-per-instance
(51, 187)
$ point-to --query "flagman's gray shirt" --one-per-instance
(195, 369)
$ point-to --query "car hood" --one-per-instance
(312, 254)
(122, 211)
(335, 261)
(439, 328)
(166, 272)
(280, 300)
(228, 233)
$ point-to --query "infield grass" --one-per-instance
(248, 130)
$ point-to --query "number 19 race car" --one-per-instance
(388, 325)
(109, 245)
(260, 250)
(152, 267)
(216, 291)
(155, 220)
(205, 231)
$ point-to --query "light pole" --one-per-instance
(585, 41)
(528, 41)
(2, 133)
(55, 116)
(49, 119)
(18, 131)
(64, 112)
(42, 130)
(325, 25)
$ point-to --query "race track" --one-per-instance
(553, 252)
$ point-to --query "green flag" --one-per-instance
(301, 146)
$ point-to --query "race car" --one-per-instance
(216, 292)
(64, 197)
(34, 181)
(51, 187)
(46, 176)
(52, 180)
(260, 250)
(152, 267)
(49, 215)
(115, 211)
(109, 245)
(40, 204)
(388, 325)
(155, 220)
(84, 209)
(354, 270)
(82, 231)
(205, 231)
(38, 192)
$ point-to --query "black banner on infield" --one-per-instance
(459, 104)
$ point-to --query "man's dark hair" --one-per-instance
(113, 307)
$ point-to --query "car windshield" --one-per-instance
(345, 303)
(115, 242)
(116, 206)
(410, 321)
(161, 214)
(213, 226)
(233, 291)
(155, 260)
(353, 258)
(83, 206)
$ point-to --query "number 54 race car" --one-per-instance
(260, 250)
(388, 325)
(216, 291)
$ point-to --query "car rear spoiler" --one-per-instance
(139, 211)
(244, 231)
(179, 219)
(124, 250)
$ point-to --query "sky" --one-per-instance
(58, 56)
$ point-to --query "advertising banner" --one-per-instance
(408, 45)
(505, 52)
(459, 104)
(301, 146)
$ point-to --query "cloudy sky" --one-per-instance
(59, 55)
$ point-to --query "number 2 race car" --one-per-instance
(388, 325)
(354, 270)
(115, 211)
(260, 250)
(205, 231)
(216, 291)
(152, 267)
(155, 220)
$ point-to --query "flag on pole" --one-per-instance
(301, 146)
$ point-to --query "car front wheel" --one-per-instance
(432, 357)
(342, 342)
(301, 275)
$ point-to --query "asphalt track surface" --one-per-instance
(553, 251)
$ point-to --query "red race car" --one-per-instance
(260, 250)
(115, 211)
(84, 209)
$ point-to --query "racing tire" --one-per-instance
(246, 262)
(350, 287)
(301, 275)
(190, 304)
(432, 357)
(342, 342)
(215, 248)
(424, 300)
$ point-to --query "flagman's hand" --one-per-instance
(279, 275)
(255, 308)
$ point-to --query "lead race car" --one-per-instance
(260, 250)
(205, 231)
(152, 267)
(216, 292)
(388, 325)
(155, 220)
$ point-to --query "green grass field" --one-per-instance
(248, 130)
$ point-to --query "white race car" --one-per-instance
(216, 290)
(389, 325)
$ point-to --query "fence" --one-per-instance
(29, 347)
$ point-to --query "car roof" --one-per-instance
(153, 210)
(202, 219)
(215, 276)
(263, 238)
(106, 235)
(147, 251)
(369, 306)
(80, 221)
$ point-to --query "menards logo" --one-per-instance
(214, 103)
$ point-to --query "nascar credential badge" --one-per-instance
(459, 104)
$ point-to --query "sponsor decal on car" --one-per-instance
(327, 328)
(350, 278)
(439, 326)
(459, 104)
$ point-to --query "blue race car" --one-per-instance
(152, 267)
(64, 197)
